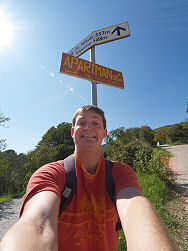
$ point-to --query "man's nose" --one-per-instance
(88, 125)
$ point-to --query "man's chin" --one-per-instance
(89, 141)
(89, 144)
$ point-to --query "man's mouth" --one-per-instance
(88, 136)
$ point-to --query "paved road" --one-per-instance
(179, 161)
(179, 164)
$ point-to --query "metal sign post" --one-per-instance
(96, 73)
(93, 84)
(102, 36)
(101, 74)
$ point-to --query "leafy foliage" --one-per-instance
(56, 144)
(3, 120)
(3, 162)
(177, 133)
(120, 136)
(155, 179)
(14, 172)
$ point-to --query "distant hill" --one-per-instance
(168, 134)
(166, 126)
(177, 133)
(184, 124)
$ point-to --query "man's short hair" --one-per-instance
(89, 108)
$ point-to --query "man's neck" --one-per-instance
(90, 159)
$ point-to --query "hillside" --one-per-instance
(172, 134)
(184, 124)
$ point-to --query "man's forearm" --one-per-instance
(25, 236)
(143, 227)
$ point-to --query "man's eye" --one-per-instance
(96, 123)
(82, 123)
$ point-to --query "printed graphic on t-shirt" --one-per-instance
(88, 227)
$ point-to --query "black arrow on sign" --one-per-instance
(118, 30)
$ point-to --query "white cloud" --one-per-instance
(70, 88)
(1, 77)
(52, 74)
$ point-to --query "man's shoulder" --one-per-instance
(119, 168)
(119, 164)
(53, 168)
(58, 163)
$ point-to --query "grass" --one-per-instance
(178, 209)
(160, 194)
(8, 197)
(160, 151)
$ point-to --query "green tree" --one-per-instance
(120, 136)
(161, 135)
(176, 132)
(3, 162)
(3, 167)
(3, 120)
(56, 144)
(15, 173)
(146, 134)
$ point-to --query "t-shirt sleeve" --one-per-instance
(50, 177)
(124, 176)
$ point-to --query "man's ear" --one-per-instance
(72, 131)
(105, 133)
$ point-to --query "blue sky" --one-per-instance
(153, 60)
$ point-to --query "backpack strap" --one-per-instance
(110, 186)
(70, 183)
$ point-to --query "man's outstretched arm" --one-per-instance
(142, 226)
(37, 227)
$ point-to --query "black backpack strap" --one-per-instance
(70, 183)
(110, 186)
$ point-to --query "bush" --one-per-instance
(154, 178)
(122, 246)
(158, 193)
(154, 189)
(146, 164)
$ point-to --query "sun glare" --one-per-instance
(6, 31)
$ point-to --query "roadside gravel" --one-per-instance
(9, 213)
(179, 165)
(179, 207)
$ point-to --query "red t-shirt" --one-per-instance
(88, 223)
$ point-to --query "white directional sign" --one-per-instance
(99, 37)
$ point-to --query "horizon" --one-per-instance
(153, 61)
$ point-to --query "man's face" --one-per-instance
(88, 130)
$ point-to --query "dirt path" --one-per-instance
(9, 212)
